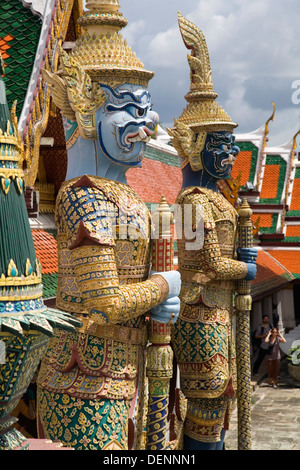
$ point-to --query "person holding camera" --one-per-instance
(260, 335)
(273, 339)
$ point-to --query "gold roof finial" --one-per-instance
(295, 140)
(271, 118)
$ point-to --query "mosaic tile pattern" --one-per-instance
(19, 36)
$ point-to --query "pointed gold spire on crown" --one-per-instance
(100, 56)
(102, 51)
(202, 113)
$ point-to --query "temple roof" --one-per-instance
(159, 175)
(271, 275)
(19, 38)
(290, 259)
(46, 251)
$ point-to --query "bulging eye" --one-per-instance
(136, 112)
(227, 147)
(141, 112)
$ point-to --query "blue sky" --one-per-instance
(254, 50)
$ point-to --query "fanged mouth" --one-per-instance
(143, 135)
(228, 161)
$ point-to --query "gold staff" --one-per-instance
(159, 352)
(243, 303)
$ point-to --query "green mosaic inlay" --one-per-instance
(294, 213)
(249, 147)
(20, 23)
(276, 160)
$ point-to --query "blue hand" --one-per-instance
(168, 310)
(173, 279)
(251, 274)
(248, 255)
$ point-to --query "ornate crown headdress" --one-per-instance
(100, 56)
(202, 113)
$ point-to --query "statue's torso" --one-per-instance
(203, 335)
(99, 360)
(219, 215)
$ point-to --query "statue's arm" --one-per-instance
(209, 257)
(106, 300)
(214, 264)
(87, 218)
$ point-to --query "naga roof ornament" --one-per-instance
(202, 114)
(100, 56)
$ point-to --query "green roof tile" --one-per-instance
(163, 157)
(271, 229)
(25, 28)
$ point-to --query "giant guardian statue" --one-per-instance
(203, 336)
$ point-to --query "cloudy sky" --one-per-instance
(254, 51)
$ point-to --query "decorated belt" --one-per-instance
(114, 332)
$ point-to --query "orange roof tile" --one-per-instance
(4, 46)
(155, 179)
(270, 182)
(293, 231)
(295, 202)
(265, 220)
(271, 274)
(46, 251)
(242, 165)
(288, 258)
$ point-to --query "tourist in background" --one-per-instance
(273, 340)
(260, 334)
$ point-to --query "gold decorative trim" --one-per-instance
(38, 118)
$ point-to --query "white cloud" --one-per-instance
(166, 49)
(133, 31)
